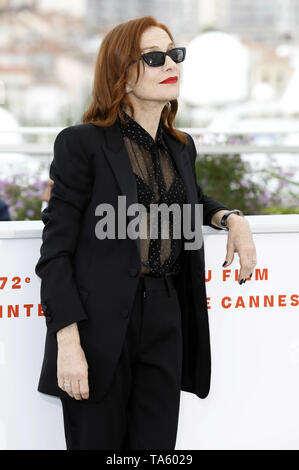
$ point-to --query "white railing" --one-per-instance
(215, 148)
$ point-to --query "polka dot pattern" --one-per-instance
(158, 181)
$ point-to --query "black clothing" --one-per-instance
(4, 211)
(157, 182)
(93, 282)
(141, 408)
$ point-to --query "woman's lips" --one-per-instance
(170, 80)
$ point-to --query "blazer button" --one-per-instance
(44, 307)
(125, 313)
(46, 312)
(133, 272)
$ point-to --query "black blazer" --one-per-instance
(93, 282)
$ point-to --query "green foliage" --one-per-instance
(233, 181)
(226, 177)
(24, 198)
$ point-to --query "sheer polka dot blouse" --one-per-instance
(157, 182)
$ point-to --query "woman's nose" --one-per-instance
(169, 63)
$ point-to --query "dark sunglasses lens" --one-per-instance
(154, 59)
(177, 55)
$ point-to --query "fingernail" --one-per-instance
(245, 280)
(225, 262)
(250, 275)
(240, 282)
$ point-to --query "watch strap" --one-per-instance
(223, 221)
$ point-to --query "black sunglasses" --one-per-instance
(157, 58)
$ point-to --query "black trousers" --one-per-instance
(141, 408)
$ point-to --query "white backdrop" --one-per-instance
(254, 397)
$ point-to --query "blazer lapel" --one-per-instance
(119, 161)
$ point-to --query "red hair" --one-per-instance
(119, 49)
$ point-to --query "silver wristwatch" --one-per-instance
(223, 221)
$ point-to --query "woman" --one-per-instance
(127, 323)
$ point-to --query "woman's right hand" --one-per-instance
(72, 367)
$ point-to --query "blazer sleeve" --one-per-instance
(71, 173)
(210, 206)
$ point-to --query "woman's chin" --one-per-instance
(172, 96)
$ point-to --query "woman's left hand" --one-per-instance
(240, 241)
